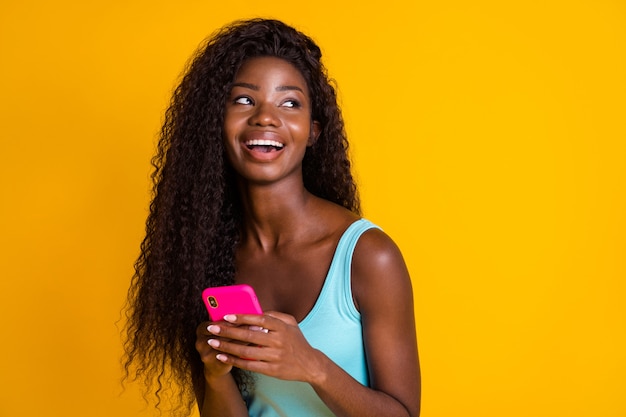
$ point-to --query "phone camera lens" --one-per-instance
(212, 302)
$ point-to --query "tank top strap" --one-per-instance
(337, 288)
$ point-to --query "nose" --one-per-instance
(265, 114)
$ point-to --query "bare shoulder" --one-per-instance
(336, 218)
(377, 253)
(379, 272)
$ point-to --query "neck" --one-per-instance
(274, 214)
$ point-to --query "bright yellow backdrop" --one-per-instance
(489, 141)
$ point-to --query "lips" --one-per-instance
(263, 146)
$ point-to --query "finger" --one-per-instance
(271, 320)
(234, 351)
(247, 319)
(259, 329)
(203, 328)
(206, 351)
(285, 318)
(247, 364)
(253, 334)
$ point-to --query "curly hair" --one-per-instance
(193, 227)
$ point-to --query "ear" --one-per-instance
(316, 129)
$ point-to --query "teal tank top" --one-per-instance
(333, 326)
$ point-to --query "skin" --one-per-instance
(287, 244)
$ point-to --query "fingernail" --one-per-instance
(213, 329)
(222, 358)
(259, 329)
(230, 317)
(214, 343)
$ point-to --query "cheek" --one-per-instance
(229, 126)
(230, 150)
(229, 141)
(232, 125)
(300, 126)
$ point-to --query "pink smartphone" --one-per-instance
(230, 299)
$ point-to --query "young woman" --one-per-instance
(253, 185)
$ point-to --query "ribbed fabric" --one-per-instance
(333, 326)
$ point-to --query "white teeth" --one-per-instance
(264, 142)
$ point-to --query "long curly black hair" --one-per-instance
(193, 227)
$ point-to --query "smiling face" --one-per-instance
(267, 124)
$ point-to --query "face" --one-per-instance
(267, 124)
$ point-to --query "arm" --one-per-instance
(384, 296)
(382, 291)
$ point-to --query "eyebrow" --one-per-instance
(289, 88)
(279, 88)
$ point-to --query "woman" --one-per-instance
(253, 185)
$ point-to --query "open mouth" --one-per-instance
(264, 145)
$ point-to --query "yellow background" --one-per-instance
(489, 142)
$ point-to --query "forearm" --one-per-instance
(346, 397)
(222, 398)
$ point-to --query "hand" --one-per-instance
(213, 368)
(272, 344)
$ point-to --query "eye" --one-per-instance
(293, 104)
(243, 100)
